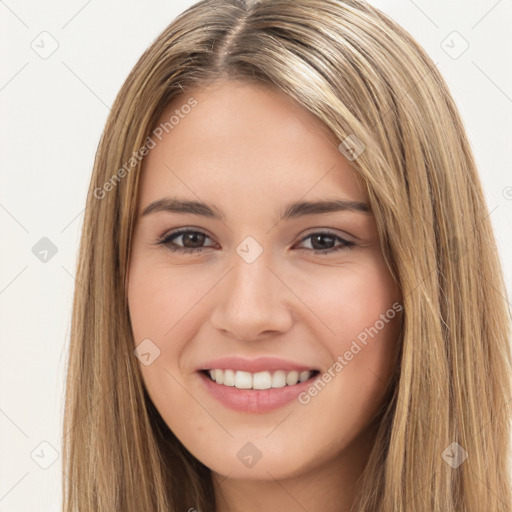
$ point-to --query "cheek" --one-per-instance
(355, 305)
(164, 304)
(349, 299)
(158, 305)
(358, 307)
(161, 300)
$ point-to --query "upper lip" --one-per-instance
(259, 364)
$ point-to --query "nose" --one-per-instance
(252, 301)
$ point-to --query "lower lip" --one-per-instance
(256, 401)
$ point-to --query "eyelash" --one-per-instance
(167, 238)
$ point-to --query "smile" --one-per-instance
(260, 380)
(256, 393)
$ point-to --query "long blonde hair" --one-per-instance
(367, 79)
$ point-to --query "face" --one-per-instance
(292, 307)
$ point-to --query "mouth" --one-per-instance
(259, 380)
(258, 385)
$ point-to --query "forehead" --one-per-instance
(243, 140)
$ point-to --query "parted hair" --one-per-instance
(372, 85)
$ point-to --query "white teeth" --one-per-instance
(243, 380)
(292, 378)
(279, 379)
(229, 377)
(303, 376)
(259, 380)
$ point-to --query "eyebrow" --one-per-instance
(291, 211)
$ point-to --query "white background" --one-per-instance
(53, 112)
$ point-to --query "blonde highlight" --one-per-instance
(362, 75)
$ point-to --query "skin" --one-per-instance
(250, 151)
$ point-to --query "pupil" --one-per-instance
(191, 236)
(319, 237)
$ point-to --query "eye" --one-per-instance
(316, 241)
(192, 241)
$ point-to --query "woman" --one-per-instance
(222, 357)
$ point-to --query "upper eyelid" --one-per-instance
(326, 231)
(180, 231)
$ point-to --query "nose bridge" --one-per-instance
(251, 279)
(251, 300)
